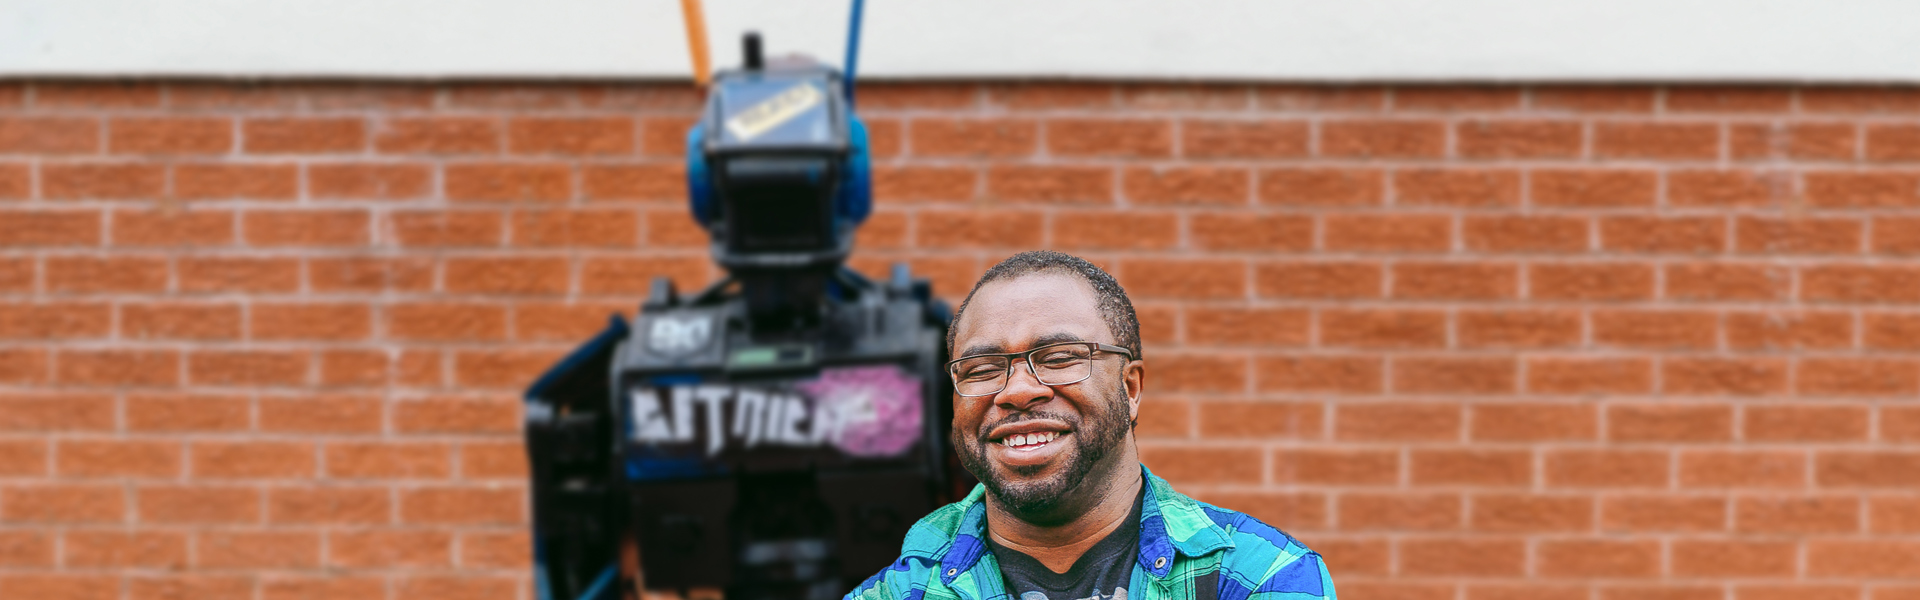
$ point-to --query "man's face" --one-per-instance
(1003, 439)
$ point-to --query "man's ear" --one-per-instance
(1133, 381)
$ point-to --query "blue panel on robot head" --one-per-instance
(779, 113)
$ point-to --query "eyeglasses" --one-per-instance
(1054, 364)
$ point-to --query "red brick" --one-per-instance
(1722, 99)
(1385, 589)
(63, 503)
(1319, 374)
(1318, 279)
(1728, 281)
(253, 460)
(507, 275)
(1798, 235)
(898, 183)
(197, 586)
(1179, 278)
(571, 136)
(1531, 513)
(463, 587)
(1865, 468)
(1723, 376)
(493, 460)
(124, 549)
(1863, 558)
(304, 135)
(1518, 139)
(16, 181)
(562, 322)
(188, 412)
(326, 587)
(446, 228)
(1598, 558)
(1456, 281)
(24, 458)
(1260, 420)
(458, 415)
(1590, 281)
(1373, 138)
(1664, 235)
(974, 137)
(371, 181)
(96, 94)
(1654, 329)
(1264, 327)
(44, 228)
(197, 503)
(1524, 591)
(1894, 331)
(1398, 512)
(1105, 230)
(1606, 468)
(667, 136)
(1352, 556)
(1798, 515)
(886, 138)
(1859, 99)
(102, 181)
(1455, 375)
(1186, 96)
(49, 135)
(172, 227)
(1716, 558)
(329, 505)
(1331, 466)
(1589, 376)
(65, 320)
(1205, 465)
(1051, 184)
(625, 182)
(370, 274)
(979, 229)
(105, 274)
(1471, 467)
(1322, 187)
(1670, 423)
(389, 548)
(1182, 186)
(1320, 97)
(118, 367)
(1526, 234)
(587, 228)
(1805, 423)
(1456, 98)
(306, 228)
(509, 182)
(1424, 421)
(446, 322)
(1457, 188)
(1894, 514)
(1828, 141)
(24, 365)
(1663, 513)
(1517, 328)
(1656, 140)
(196, 135)
(1726, 189)
(502, 368)
(257, 550)
(1042, 96)
(60, 586)
(1109, 138)
(438, 135)
(1857, 377)
(239, 274)
(1788, 330)
(1383, 328)
(1873, 189)
(322, 414)
(1243, 139)
(117, 458)
(1807, 592)
(1533, 422)
(248, 368)
(463, 505)
(1388, 233)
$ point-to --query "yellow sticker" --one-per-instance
(772, 112)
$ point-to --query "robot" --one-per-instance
(776, 433)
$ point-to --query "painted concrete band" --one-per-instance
(1257, 40)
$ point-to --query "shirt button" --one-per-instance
(1159, 563)
(950, 572)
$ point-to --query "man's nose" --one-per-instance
(1023, 388)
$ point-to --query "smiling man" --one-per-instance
(1048, 380)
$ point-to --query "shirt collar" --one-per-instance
(1170, 523)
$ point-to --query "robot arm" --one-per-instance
(578, 514)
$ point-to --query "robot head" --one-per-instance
(777, 168)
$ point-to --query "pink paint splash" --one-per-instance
(879, 408)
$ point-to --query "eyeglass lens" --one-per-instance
(1053, 365)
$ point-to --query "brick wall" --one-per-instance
(264, 342)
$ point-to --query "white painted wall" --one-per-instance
(1315, 40)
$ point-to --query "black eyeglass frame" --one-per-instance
(1027, 357)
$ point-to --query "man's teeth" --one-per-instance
(1024, 439)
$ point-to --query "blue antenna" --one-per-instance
(853, 48)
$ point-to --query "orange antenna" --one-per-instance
(697, 40)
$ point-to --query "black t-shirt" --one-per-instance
(1100, 574)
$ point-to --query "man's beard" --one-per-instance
(1031, 500)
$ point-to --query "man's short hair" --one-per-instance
(1115, 309)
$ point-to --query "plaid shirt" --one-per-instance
(1189, 550)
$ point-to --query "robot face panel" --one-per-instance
(775, 110)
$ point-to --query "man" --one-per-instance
(1048, 380)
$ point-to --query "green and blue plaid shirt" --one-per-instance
(1189, 550)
